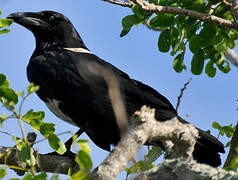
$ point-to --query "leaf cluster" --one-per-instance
(146, 164)
(207, 41)
(4, 23)
(9, 99)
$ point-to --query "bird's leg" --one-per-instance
(68, 144)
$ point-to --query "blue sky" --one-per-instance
(99, 24)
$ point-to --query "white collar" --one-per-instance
(80, 50)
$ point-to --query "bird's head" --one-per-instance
(50, 29)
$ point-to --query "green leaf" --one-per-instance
(207, 34)
(129, 21)
(84, 160)
(56, 144)
(178, 64)
(47, 129)
(220, 10)
(36, 124)
(139, 166)
(197, 63)
(234, 163)
(5, 22)
(3, 117)
(4, 31)
(0, 12)
(25, 151)
(124, 32)
(29, 176)
(32, 88)
(191, 29)
(228, 131)
(84, 146)
(164, 41)
(221, 47)
(210, 70)
(236, 148)
(223, 65)
(216, 125)
(194, 44)
(228, 144)
(153, 154)
(8, 94)
(139, 12)
(2, 79)
(162, 20)
(42, 176)
(33, 115)
(34, 119)
(3, 172)
(81, 175)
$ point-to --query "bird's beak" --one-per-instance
(26, 19)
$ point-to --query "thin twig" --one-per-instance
(227, 3)
(181, 93)
(6, 133)
(62, 133)
(23, 100)
(120, 3)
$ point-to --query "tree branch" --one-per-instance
(178, 139)
(185, 170)
(120, 3)
(232, 56)
(234, 144)
(183, 12)
(145, 129)
(45, 163)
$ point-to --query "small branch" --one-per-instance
(227, 3)
(232, 57)
(181, 93)
(156, 28)
(145, 129)
(234, 144)
(184, 12)
(120, 3)
(44, 163)
(173, 10)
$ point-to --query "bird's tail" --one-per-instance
(207, 149)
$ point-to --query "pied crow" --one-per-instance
(88, 92)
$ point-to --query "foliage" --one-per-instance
(208, 42)
(4, 23)
(229, 132)
(146, 164)
(9, 100)
(84, 161)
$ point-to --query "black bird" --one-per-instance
(86, 91)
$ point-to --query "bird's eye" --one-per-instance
(51, 18)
